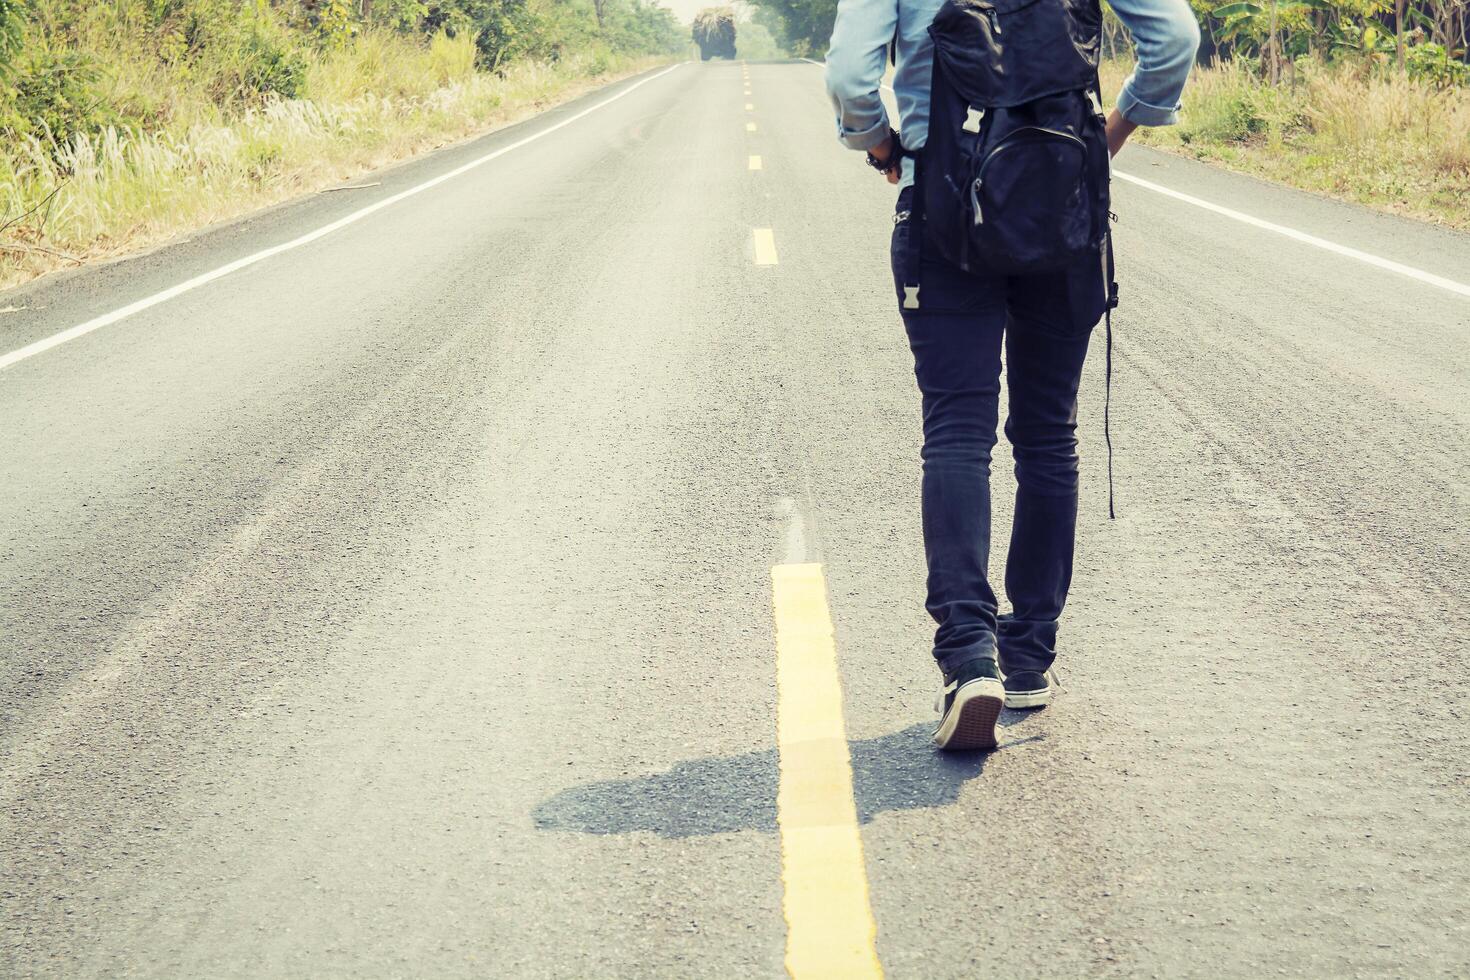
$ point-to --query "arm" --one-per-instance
(1166, 36)
(855, 68)
(1119, 129)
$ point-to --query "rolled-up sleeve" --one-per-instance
(1166, 36)
(855, 69)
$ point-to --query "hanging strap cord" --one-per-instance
(1107, 404)
(1112, 288)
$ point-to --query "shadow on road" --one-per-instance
(901, 771)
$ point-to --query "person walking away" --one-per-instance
(964, 290)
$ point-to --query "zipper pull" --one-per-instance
(994, 20)
(975, 201)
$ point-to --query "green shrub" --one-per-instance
(1226, 118)
(451, 58)
(600, 63)
(11, 27)
(270, 65)
(1232, 104)
(334, 22)
(261, 158)
(56, 93)
(1432, 63)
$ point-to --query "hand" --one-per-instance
(1118, 130)
(881, 153)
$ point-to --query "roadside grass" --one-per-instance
(1348, 130)
(381, 99)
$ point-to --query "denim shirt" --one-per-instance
(1165, 34)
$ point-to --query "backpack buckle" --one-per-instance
(910, 297)
(972, 119)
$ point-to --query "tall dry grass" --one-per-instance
(376, 101)
(1355, 131)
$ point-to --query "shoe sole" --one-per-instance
(970, 723)
(1028, 699)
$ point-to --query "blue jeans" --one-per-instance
(1045, 322)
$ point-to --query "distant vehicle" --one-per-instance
(714, 32)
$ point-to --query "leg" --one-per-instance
(955, 337)
(1051, 321)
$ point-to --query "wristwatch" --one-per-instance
(895, 154)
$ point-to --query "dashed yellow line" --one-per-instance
(765, 247)
(750, 107)
(750, 127)
(755, 163)
(830, 930)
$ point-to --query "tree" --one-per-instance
(802, 26)
(1398, 32)
(1250, 21)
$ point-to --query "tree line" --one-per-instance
(509, 29)
(1425, 38)
(75, 66)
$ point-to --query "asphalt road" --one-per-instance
(401, 604)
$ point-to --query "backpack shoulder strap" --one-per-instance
(915, 258)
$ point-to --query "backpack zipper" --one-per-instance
(1006, 143)
(992, 15)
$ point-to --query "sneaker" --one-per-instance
(969, 705)
(1029, 689)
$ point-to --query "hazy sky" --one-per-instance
(686, 9)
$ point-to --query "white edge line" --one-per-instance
(107, 319)
(1301, 236)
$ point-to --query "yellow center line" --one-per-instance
(755, 163)
(765, 247)
(749, 107)
(750, 127)
(830, 930)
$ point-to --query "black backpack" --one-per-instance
(1014, 177)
